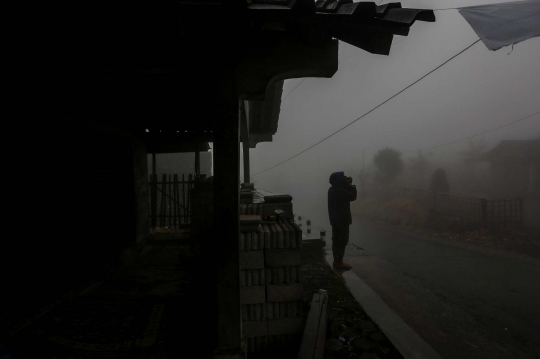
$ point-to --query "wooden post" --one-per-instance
(224, 243)
(244, 138)
(189, 185)
(246, 162)
(184, 208)
(521, 214)
(176, 203)
(169, 212)
(154, 192)
(163, 204)
(197, 162)
(314, 336)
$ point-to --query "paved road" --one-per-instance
(466, 301)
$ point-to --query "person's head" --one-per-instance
(338, 179)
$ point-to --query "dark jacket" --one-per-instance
(339, 197)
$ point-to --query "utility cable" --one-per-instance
(478, 134)
(370, 111)
(293, 89)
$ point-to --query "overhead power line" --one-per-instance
(370, 111)
(478, 134)
(293, 89)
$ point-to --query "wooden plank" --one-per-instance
(190, 186)
(315, 329)
(169, 204)
(175, 201)
(321, 336)
(184, 198)
(154, 193)
(162, 202)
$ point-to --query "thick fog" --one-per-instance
(475, 92)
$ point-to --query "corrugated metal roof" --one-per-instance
(361, 24)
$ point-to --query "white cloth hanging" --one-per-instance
(504, 24)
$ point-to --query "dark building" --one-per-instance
(515, 167)
(114, 80)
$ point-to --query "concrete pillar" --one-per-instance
(224, 242)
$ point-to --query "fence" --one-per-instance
(504, 213)
(498, 213)
(170, 201)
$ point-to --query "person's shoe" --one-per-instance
(341, 265)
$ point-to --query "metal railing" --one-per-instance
(499, 213)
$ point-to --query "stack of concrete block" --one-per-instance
(246, 193)
(270, 277)
(283, 261)
(251, 209)
(252, 281)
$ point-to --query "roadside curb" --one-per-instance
(403, 337)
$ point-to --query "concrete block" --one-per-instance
(252, 277)
(252, 295)
(252, 260)
(272, 241)
(248, 241)
(298, 232)
(284, 292)
(279, 236)
(278, 198)
(284, 310)
(255, 242)
(285, 326)
(245, 228)
(242, 242)
(282, 258)
(265, 233)
(270, 208)
(254, 312)
(285, 231)
(255, 329)
(245, 219)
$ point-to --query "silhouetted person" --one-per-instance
(340, 195)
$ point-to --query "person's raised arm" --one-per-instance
(347, 193)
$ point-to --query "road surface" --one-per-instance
(466, 301)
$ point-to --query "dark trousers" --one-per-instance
(340, 238)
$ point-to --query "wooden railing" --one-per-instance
(170, 201)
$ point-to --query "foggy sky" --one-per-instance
(477, 91)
